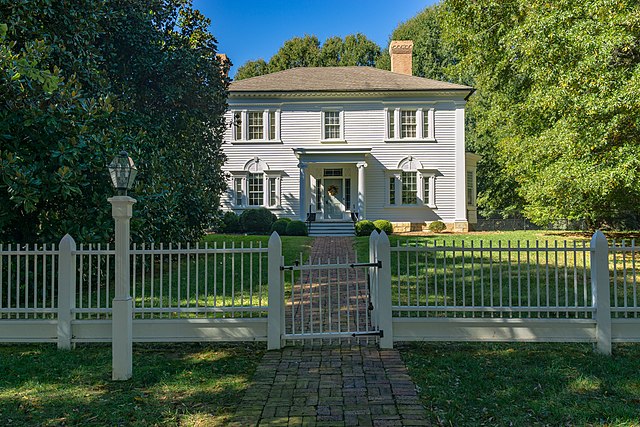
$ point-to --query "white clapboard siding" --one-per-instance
(364, 126)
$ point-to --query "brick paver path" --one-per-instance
(331, 385)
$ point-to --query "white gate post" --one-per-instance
(385, 320)
(66, 290)
(275, 311)
(600, 291)
(122, 306)
(373, 276)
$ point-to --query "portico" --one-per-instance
(332, 182)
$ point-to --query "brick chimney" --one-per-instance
(224, 63)
(401, 56)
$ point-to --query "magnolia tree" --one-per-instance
(143, 76)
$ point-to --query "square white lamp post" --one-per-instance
(123, 173)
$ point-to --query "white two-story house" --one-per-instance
(347, 142)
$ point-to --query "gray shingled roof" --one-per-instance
(340, 79)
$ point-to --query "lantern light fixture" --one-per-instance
(123, 172)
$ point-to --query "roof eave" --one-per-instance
(303, 93)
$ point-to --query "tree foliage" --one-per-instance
(559, 85)
(80, 80)
(353, 50)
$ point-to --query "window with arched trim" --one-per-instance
(411, 184)
(256, 185)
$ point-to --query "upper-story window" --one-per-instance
(410, 124)
(256, 125)
(332, 125)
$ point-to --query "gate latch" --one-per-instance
(367, 264)
(296, 263)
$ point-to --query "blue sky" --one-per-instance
(252, 29)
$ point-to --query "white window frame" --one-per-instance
(424, 116)
(266, 126)
(267, 178)
(323, 129)
(422, 175)
(470, 188)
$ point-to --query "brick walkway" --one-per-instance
(344, 384)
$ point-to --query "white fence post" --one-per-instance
(373, 276)
(275, 313)
(385, 320)
(66, 290)
(600, 289)
(122, 305)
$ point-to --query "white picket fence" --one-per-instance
(508, 291)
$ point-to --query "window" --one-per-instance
(410, 124)
(273, 194)
(237, 186)
(409, 188)
(392, 190)
(347, 193)
(426, 190)
(272, 125)
(471, 199)
(331, 125)
(411, 184)
(256, 125)
(255, 193)
(333, 172)
(256, 185)
(237, 125)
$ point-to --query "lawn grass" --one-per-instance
(176, 384)
(526, 384)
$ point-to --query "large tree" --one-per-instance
(354, 50)
(81, 80)
(436, 57)
(560, 85)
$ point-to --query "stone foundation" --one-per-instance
(406, 227)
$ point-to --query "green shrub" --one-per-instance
(230, 223)
(364, 228)
(257, 220)
(284, 218)
(280, 226)
(383, 225)
(296, 228)
(437, 226)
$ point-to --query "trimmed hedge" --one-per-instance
(364, 228)
(257, 220)
(280, 226)
(296, 228)
(230, 223)
(383, 225)
(437, 226)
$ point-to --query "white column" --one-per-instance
(460, 169)
(361, 189)
(122, 306)
(304, 178)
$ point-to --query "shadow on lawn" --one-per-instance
(171, 384)
(526, 384)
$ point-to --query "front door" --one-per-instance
(333, 199)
